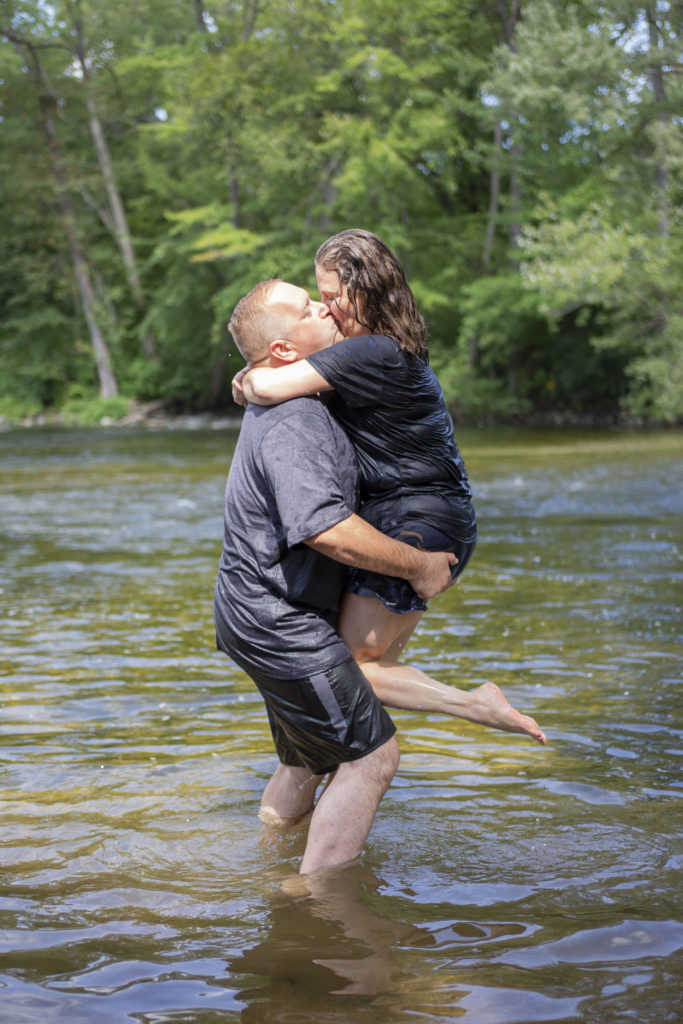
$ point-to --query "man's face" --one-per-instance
(310, 327)
(335, 296)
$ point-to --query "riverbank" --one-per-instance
(155, 415)
(159, 416)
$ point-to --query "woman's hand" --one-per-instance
(237, 391)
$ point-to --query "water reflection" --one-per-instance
(502, 883)
(323, 937)
(337, 939)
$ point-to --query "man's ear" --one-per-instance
(283, 350)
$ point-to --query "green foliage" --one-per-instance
(499, 366)
(593, 261)
(547, 263)
(14, 409)
(88, 412)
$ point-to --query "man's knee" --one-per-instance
(270, 816)
(289, 795)
(395, 754)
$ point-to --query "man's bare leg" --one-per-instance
(289, 795)
(376, 636)
(346, 810)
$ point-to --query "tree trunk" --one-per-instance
(199, 15)
(491, 220)
(234, 186)
(515, 187)
(200, 21)
(510, 16)
(108, 386)
(251, 10)
(216, 378)
(121, 230)
(494, 197)
(659, 90)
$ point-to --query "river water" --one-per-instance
(502, 883)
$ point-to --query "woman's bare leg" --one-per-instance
(376, 636)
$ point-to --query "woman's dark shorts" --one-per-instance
(397, 594)
(322, 720)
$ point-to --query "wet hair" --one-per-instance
(254, 323)
(378, 291)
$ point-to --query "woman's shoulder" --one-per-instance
(362, 349)
(392, 348)
(374, 354)
(372, 346)
(366, 341)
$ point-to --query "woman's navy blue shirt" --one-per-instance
(391, 406)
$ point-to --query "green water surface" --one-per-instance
(502, 883)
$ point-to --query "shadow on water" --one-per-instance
(502, 883)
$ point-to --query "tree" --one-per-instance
(46, 102)
(114, 218)
(594, 262)
(522, 159)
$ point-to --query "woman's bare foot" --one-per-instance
(492, 708)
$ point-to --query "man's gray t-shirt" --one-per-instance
(293, 475)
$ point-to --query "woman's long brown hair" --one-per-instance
(377, 288)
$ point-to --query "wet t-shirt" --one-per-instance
(293, 475)
(391, 406)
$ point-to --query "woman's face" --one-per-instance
(335, 296)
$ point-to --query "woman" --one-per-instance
(414, 485)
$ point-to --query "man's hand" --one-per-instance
(354, 542)
(237, 392)
(435, 575)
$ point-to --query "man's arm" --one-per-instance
(355, 542)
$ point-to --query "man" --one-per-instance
(290, 531)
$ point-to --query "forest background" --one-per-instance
(523, 158)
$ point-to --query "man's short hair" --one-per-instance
(255, 322)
